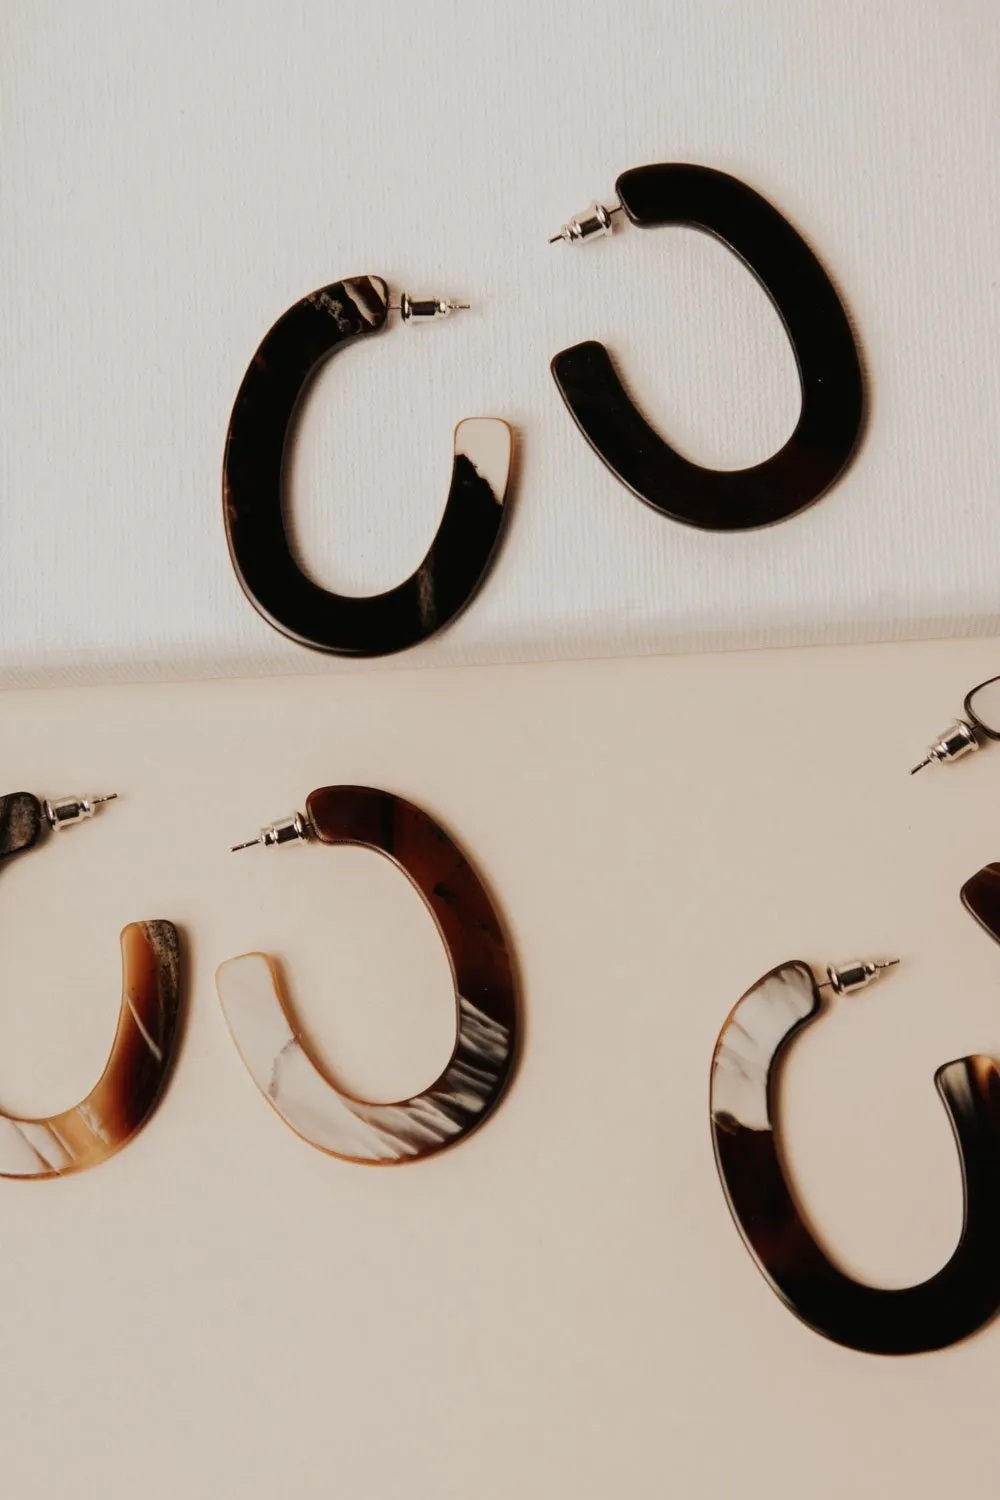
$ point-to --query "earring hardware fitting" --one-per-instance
(591, 223)
(845, 978)
(286, 831)
(63, 811)
(425, 309)
(958, 739)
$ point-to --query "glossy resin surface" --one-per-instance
(963, 1295)
(252, 486)
(479, 1068)
(127, 1091)
(982, 708)
(829, 367)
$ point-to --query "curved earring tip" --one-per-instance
(488, 445)
(979, 897)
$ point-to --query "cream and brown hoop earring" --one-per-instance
(129, 1089)
(479, 1070)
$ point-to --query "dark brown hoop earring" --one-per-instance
(830, 421)
(252, 480)
(965, 1293)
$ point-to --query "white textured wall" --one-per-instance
(174, 175)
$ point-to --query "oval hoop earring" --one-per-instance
(128, 1090)
(829, 424)
(273, 1049)
(459, 556)
(965, 1293)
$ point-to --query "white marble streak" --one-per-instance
(35, 1148)
(749, 1040)
(307, 1100)
(24, 1152)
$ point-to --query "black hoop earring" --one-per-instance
(460, 553)
(276, 1054)
(128, 1090)
(830, 421)
(965, 1293)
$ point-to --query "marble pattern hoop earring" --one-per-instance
(830, 421)
(479, 1070)
(462, 550)
(965, 1293)
(129, 1089)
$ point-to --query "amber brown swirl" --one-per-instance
(952, 1304)
(478, 1071)
(127, 1091)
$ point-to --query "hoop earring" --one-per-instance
(460, 554)
(128, 1090)
(965, 1293)
(830, 421)
(478, 1072)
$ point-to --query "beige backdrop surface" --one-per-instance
(560, 1306)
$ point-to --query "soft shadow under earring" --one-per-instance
(965, 1293)
(460, 554)
(128, 1090)
(830, 421)
(479, 1070)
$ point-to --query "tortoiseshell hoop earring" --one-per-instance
(277, 1056)
(128, 1090)
(965, 1293)
(252, 482)
(829, 424)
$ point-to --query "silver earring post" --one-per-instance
(593, 223)
(958, 739)
(288, 830)
(425, 309)
(60, 812)
(845, 978)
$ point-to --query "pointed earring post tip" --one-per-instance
(920, 765)
(293, 829)
(590, 224)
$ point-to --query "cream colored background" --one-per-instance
(560, 1306)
